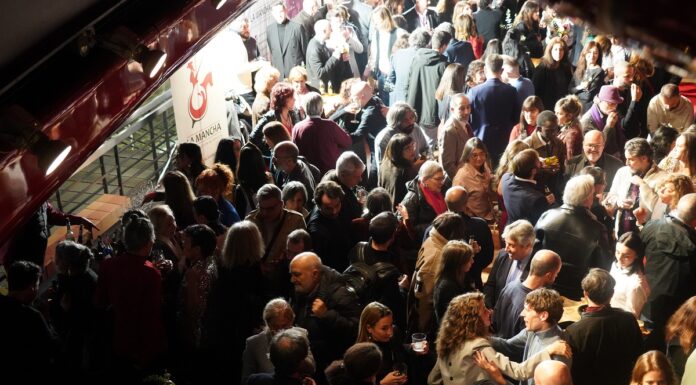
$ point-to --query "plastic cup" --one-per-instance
(418, 340)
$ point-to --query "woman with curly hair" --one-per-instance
(475, 75)
(463, 340)
(680, 334)
(682, 159)
(282, 109)
(218, 182)
(669, 191)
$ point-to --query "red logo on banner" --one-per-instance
(198, 100)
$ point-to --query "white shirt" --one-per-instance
(630, 291)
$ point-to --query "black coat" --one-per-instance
(331, 239)
(332, 334)
(426, 72)
(522, 200)
(580, 240)
(413, 21)
(606, 344)
(488, 24)
(420, 213)
(606, 162)
(287, 53)
(551, 84)
(256, 135)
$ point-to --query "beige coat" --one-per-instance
(452, 138)
(423, 281)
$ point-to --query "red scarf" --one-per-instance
(434, 199)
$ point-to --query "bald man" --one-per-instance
(670, 246)
(324, 307)
(289, 166)
(552, 372)
(545, 266)
(323, 65)
(593, 155)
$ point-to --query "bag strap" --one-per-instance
(275, 236)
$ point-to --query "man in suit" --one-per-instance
(495, 109)
(593, 155)
(458, 51)
(286, 41)
(307, 17)
(324, 66)
(512, 263)
(420, 16)
(487, 21)
(426, 71)
(522, 198)
(454, 134)
(401, 64)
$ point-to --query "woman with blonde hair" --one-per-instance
(218, 182)
(179, 196)
(264, 80)
(465, 30)
(504, 167)
(386, 32)
(445, 10)
(236, 300)
(298, 78)
(463, 339)
(653, 368)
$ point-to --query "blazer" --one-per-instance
(255, 357)
(498, 275)
(287, 53)
(494, 111)
(413, 21)
(522, 200)
(606, 162)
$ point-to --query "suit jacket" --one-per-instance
(494, 111)
(323, 67)
(452, 138)
(413, 21)
(460, 51)
(498, 275)
(522, 200)
(307, 22)
(287, 53)
(488, 23)
(255, 357)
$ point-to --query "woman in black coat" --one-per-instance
(553, 76)
(398, 166)
(451, 278)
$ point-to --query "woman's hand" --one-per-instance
(401, 209)
(560, 348)
(490, 368)
(394, 378)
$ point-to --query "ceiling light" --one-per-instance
(126, 44)
(218, 3)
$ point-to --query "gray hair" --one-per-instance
(398, 112)
(276, 308)
(292, 188)
(348, 163)
(138, 233)
(578, 189)
(313, 104)
(521, 231)
(268, 191)
(288, 350)
(429, 169)
(446, 26)
(420, 38)
(158, 216)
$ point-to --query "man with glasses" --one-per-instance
(291, 167)
(275, 223)
(593, 155)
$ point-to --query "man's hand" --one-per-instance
(550, 199)
(319, 308)
(612, 119)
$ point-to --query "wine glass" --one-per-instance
(354, 108)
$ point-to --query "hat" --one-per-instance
(610, 94)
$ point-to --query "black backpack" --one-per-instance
(363, 279)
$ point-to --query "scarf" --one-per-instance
(434, 199)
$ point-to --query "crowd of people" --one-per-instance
(348, 232)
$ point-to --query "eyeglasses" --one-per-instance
(594, 146)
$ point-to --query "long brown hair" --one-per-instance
(547, 59)
(452, 82)
(513, 148)
(531, 102)
(582, 62)
(682, 324)
(460, 323)
(371, 314)
(526, 15)
(653, 360)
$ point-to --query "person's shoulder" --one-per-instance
(261, 379)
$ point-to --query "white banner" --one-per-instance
(198, 95)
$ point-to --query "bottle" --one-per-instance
(99, 250)
(80, 234)
(69, 235)
(329, 87)
(322, 89)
